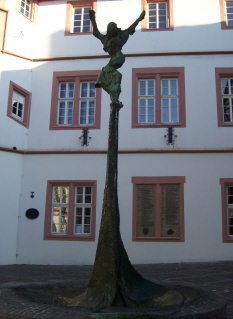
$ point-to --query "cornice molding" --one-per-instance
(129, 55)
(80, 152)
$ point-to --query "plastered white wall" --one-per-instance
(20, 31)
(202, 206)
(196, 29)
(11, 169)
(19, 72)
(201, 131)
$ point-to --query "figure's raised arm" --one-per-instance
(96, 32)
(131, 29)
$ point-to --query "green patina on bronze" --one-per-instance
(113, 41)
(114, 281)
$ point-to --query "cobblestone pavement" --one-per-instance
(215, 277)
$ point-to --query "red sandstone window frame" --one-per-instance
(71, 5)
(157, 181)
(33, 11)
(223, 15)
(224, 182)
(170, 22)
(157, 74)
(221, 73)
(69, 236)
(76, 77)
(26, 112)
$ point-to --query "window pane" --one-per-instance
(165, 119)
(165, 87)
(62, 90)
(79, 212)
(83, 89)
(165, 110)
(87, 212)
(173, 84)
(230, 190)
(87, 229)
(86, 23)
(165, 102)
(87, 195)
(142, 103)
(152, 26)
(150, 102)
(162, 14)
(77, 29)
(56, 192)
(173, 110)
(77, 23)
(77, 11)
(174, 118)
(86, 29)
(65, 194)
(142, 88)
(71, 90)
(152, 20)
(151, 88)
(79, 198)
(152, 7)
(230, 16)
(173, 102)
(162, 6)
(92, 89)
(224, 82)
(162, 19)
(230, 195)
(162, 25)
(142, 119)
(150, 118)
(20, 108)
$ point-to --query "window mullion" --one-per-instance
(87, 114)
(158, 99)
(77, 100)
(231, 108)
(71, 211)
(157, 15)
(82, 16)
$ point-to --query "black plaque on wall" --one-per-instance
(32, 213)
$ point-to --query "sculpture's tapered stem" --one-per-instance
(114, 280)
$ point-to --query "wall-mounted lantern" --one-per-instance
(85, 137)
(170, 136)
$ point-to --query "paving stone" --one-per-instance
(215, 277)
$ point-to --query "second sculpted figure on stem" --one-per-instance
(113, 41)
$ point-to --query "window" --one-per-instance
(224, 91)
(226, 11)
(159, 15)
(227, 208)
(77, 17)
(25, 7)
(28, 8)
(76, 103)
(19, 104)
(158, 208)
(158, 97)
(70, 210)
(87, 103)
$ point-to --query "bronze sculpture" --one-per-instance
(113, 41)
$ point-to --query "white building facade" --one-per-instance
(175, 175)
